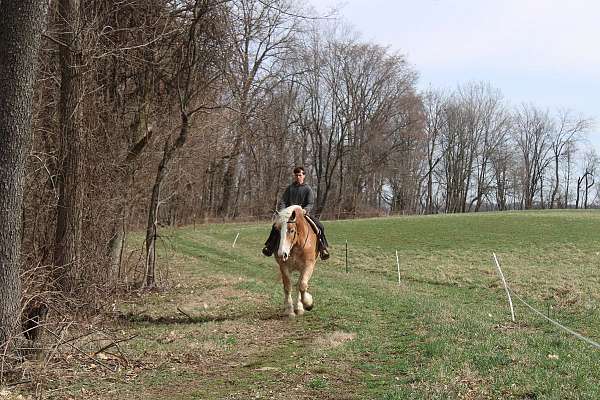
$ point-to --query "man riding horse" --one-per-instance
(298, 193)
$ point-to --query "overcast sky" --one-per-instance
(544, 52)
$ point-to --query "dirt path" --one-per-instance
(210, 337)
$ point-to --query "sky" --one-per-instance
(543, 52)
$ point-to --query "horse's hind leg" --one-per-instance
(305, 300)
(288, 303)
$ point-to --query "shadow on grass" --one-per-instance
(449, 284)
(197, 319)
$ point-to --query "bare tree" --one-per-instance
(318, 111)
(131, 40)
(196, 63)
(502, 162)
(494, 122)
(261, 33)
(531, 131)
(586, 180)
(567, 132)
(357, 108)
(569, 155)
(460, 140)
(21, 25)
(434, 105)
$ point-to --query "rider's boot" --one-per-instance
(323, 253)
(267, 252)
(271, 243)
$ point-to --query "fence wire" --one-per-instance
(554, 322)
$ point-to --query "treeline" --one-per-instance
(150, 112)
(483, 154)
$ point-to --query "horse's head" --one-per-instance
(287, 225)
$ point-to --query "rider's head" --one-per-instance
(299, 175)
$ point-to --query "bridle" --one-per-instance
(296, 233)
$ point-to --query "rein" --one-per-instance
(296, 233)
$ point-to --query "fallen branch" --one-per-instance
(18, 383)
(79, 350)
(115, 343)
(186, 314)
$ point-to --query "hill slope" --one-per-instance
(444, 332)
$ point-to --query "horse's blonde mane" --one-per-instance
(283, 216)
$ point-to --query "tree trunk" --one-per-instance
(568, 180)
(21, 26)
(429, 204)
(556, 182)
(228, 177)
(579, 181)
(115, 246)
(140, 136)
(67, 245)
(542, 206)
(151, 227)
(587, 187)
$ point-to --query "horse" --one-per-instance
(297, 251)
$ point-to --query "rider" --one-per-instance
(298, 193)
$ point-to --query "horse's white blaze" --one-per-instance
(283, 217)
(283, 246)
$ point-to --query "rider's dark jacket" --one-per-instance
(295, 194)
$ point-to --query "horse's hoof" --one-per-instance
(307, 301)
(291, 316)
(300, 311)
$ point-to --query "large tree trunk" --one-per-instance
(21, 24)
(67, 245)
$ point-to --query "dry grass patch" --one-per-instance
(334, 339)
(221, 297)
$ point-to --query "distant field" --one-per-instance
(443, 333)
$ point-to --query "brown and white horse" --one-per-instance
(297, 251)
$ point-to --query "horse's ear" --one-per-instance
(293, 216)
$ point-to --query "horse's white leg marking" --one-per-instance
(298, 307)
(288, 303)
(305, 300)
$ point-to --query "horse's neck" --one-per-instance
(302, 225)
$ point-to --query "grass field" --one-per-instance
(444, 332)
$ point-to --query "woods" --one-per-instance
(149, 113)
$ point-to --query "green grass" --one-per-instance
(443, 333)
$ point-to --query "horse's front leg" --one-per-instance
(288, 303)
(305, 300)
